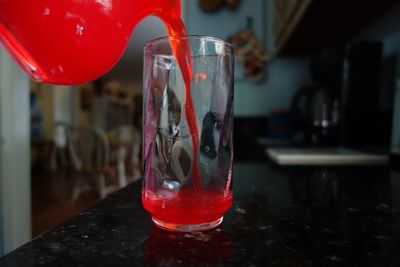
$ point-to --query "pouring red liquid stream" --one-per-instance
(71, 42)
(182, 51)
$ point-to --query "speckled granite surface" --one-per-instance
(296, 217)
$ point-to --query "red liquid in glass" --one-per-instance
(185, 208)
(192, 205)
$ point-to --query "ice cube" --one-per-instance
(171, 185)
(169, 190)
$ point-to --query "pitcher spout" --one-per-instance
(20, 55)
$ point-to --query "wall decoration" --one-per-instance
(225, 24)
(249, 53)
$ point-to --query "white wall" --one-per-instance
(284, 76)
(130, 66)
(15, 154)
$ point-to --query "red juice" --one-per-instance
(185, 207)
(182, 51)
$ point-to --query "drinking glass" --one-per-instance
(188, 146)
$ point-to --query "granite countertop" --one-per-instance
(280, 217)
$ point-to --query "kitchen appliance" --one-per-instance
(348, 107)
(365, 117)
(315, 111)
(347, 104)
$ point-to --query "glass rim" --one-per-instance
(188, 37)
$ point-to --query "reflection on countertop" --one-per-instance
(299, 216)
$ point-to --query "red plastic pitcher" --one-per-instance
(75, 41)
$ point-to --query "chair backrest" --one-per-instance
(62, 133)
(124, 134)
(91, 147)
(129, 134)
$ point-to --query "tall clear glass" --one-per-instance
(188, 175)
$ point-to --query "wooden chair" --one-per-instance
(62, 155)
(92, 152)
(126, 143)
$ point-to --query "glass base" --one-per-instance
(187, 227)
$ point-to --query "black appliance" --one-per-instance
(365, 118)
(315, 110)
(315, 107)
(358, 100)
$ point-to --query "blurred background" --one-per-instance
(309, 75)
